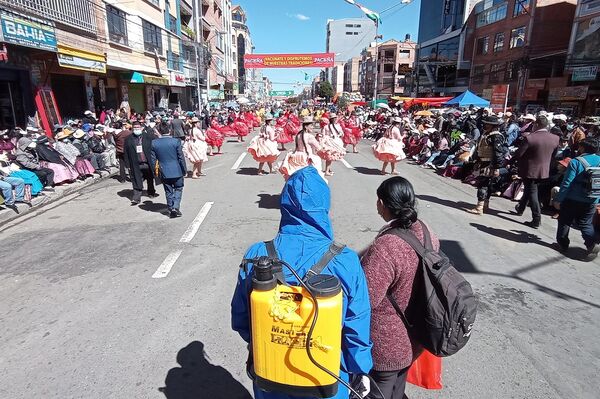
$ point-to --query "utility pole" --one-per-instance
(376, 64)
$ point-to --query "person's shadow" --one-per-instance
(198, 379)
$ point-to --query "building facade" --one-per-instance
(351, 73)
(583, 62)
(522, 44)
(346, 38)
(242, 45)
(439, 70)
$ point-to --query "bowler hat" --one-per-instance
(491, 120)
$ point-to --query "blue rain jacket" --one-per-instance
(305, 234)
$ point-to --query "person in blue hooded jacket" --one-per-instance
(305, 234)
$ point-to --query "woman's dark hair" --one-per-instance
(398, 195)
(590, 145)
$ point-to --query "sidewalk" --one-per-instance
(46, 198)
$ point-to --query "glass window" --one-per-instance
(152, 37)
(483, 45)
(478, 73)
(388, 68)
(349, 25)
(237, 17)
(117, 25)
(517, 37)
(521, 7)
(389, 54)
(172, 24)
(349, 33)
(155, 2)
(448, 49)
(404, 54)
(492, 15)
(499, 42)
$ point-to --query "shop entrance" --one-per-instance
(12, 107)
(69, 92)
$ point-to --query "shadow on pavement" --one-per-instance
(248, 171)
(269, 201)
(198, 378)
(126, 193)
(512, 235)
(462, 263)
(150, 206)
(368, 171)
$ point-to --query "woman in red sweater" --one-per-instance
(390, 265)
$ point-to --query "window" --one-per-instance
(521, 7)
(237, 17)
(152, 37)
(219, 42)
(388, 68)
(117, 25)
(478, 72)
(357, 26)
(355, 33)
(492, 15)
(174, 61)
(494, 73)
(517, 37)
(404, 54)
(499, 42)
(483, 45)
(172, 24)
(349, 25)
(155, 2)
(349, 33)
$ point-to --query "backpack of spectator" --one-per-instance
(442, 308)
(591, 178)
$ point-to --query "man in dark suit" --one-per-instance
(137, 151)
(168, 152)
(534, 157)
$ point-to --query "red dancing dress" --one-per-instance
(390, 148)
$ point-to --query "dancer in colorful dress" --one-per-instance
(214, 139)
(352, 132)
(304, 154)
(263, 147)
(195, 149)
(389, 148)
(332, 146)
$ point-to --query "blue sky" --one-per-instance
(298, 26)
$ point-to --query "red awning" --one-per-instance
(428, 101)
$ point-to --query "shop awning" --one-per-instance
(137, 77)
(69, 57)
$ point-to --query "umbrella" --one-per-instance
(243, 100)
(424, 113)
(383, 105)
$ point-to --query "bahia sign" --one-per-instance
(28, 33)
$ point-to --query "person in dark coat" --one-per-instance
(168, 152)
(138, 155)
(120, 135)
(177, 127)
(534, 156)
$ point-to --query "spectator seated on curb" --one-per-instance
(27, 158)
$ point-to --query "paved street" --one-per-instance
(81, 315)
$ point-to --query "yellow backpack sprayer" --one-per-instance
(296, 330)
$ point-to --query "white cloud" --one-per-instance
(299, 17)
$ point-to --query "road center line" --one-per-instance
(346, 164)
(237, 163)
(164, 269)
(193, 229)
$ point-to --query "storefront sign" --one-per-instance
(589, 7)
(69, 57)
(487, 94)
(25, 32)
(581, 74)
(573, 93)
(137, 77)
(216, 94)
(176, 79)
(539, 84)
(320, 60)
(530, 94)
(499, 98)
(587, 40)
(281, 93)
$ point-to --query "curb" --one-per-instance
(41, 201)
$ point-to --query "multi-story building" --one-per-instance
(53, 60)
(346, 38)
(213, 39)
(394, 66)
(439, 70)
(351, 73)
(242, 45)
(583, 62)
(522, 43)
(337, 77)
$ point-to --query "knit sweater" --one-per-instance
(391, 264)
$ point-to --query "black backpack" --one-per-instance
(442, 308)
(590, 178)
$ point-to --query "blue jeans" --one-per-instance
(7, 184)
(173, 191)
(579, 213)
(433, 156)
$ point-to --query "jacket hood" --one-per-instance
(23, 143)
(305, 203)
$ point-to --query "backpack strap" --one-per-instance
(412, 240)
(334, 250)
(426, 236)
(278, 269)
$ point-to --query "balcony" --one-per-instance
(78, 14)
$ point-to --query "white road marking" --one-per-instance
(237, 163)
(211, 167)
(164, 269)
(346, 164)
(193, 229)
